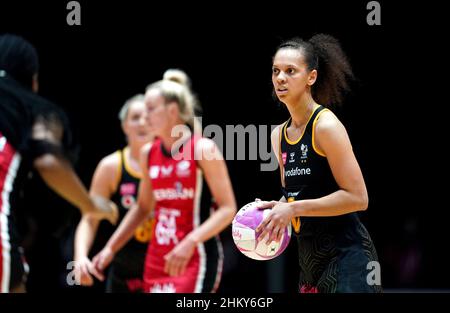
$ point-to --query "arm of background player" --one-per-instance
(104, 183)
(216, 175)
(59, 175)
(134, 217)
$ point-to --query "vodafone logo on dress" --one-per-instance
(298, 172)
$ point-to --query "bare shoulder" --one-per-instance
(330, 134)
(205, 144)
(109, 163)
(327, 123)
(146, 149)
(276, 132)
(106, 175)
(205, 147)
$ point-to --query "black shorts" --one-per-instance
(125, 277)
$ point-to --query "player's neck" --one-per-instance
(302, 110)
(132, 157)
(134, 151)
(182, 135)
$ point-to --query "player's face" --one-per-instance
(135, 125)
(290, 75)
(157, 113)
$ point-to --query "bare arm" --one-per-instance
(275, 139)
(57, 173)
(84, 236)
(103, 184)
(216, 175)
(59, 176)
(139, 212)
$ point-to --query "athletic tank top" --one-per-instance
(183, 199)
(307, 175)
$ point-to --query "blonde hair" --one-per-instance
(177, 76)
(175, 87)
(123, 113)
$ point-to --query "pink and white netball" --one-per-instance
(246, 238)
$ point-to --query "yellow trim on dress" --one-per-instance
(280, 155)
(313, 131)
(301, 136)
(119, 170)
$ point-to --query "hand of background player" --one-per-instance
(82, 273)
(179, 257)
(104, 209)
(100, 262)
(278, 219)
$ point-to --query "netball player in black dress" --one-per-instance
(323, 187)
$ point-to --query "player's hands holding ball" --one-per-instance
(278, 219)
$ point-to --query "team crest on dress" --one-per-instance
(291, 157)
(183, 168)
(304, 149)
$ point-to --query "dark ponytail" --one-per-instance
(334, 73)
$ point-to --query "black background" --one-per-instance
(394, 116)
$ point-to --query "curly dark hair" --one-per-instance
(324, 53)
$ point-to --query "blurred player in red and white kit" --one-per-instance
(185, 254)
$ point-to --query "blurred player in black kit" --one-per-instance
(34, 133)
